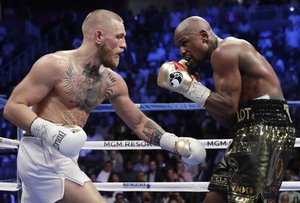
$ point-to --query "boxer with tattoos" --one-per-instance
(62, 88)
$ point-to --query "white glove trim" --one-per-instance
(39, 128)
(168, 142)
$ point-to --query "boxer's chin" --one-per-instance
(112, 62)
(191, 66)
(115, 62)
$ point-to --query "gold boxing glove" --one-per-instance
(174, 76)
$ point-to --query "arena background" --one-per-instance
(31, 28)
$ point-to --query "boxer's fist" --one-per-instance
(68, 139)
(190, 149)
(174, 76)
(197, 153)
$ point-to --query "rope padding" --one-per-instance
(133, 144)
(155, 186)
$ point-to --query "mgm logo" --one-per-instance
(219, 143)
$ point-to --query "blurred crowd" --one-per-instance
(149, 44)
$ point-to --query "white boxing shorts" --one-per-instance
(43, 170)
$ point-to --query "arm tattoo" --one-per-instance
(89, 88)
(153, 132)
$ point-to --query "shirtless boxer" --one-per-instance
(247, 98)
(62, 88)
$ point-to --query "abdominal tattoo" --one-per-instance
(80, 117)
(153, 132)
(90, 87)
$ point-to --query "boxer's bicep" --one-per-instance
(228, 84)
(227, 78)
(223, 102)
(32, 89)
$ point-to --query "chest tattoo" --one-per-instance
(90, 87)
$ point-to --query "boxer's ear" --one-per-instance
(204, 36)
(98, 36)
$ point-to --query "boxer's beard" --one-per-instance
(109, 60)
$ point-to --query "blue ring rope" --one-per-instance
(156, 106)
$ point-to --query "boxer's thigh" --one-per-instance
(87, 193)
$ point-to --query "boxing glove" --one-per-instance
(190, 149)
(174, 76)
(68, 139)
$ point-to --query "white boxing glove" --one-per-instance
(191, 150)
(68, 139)
(198, 152)
(174, 76)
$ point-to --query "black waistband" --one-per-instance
(264, 111)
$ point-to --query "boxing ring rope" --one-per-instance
(133, 144)
(168, 106)
(139, 144)
(153, 186)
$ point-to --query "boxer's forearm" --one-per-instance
(222, 109)
(19, 114)
(190, 149)
(227, 122)
(150, 131)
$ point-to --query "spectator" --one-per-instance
(143, 165)
(116, 158)
(153, 174)
(119, 198)
(104, 174)
(129, 175)
(183, 175)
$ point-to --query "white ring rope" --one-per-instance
(133, 144)
(8, 143)
(144, 186)
(154, 186)
(9, 186)
(175, 186)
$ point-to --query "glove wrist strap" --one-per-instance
(168, 141)
(39, 127)
(198, 93)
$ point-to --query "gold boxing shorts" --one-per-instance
(253, 166)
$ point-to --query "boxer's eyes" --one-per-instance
(187, 58)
